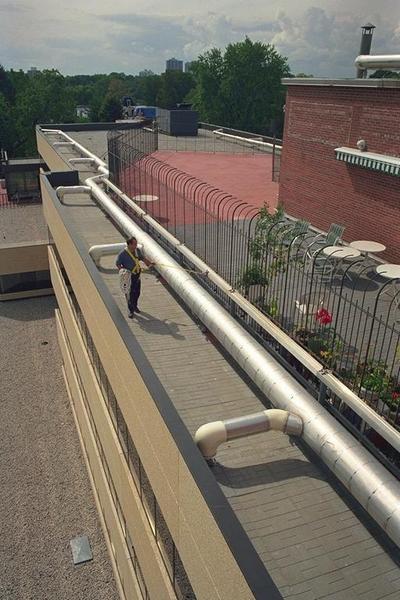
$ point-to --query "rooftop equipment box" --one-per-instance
(177, 122)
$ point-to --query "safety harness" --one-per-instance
(137, 268)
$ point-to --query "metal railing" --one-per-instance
(343, 313)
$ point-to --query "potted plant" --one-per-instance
(322, 342)
(254, 275)
(374, 383)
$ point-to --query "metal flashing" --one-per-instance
(81, 550)
(347, 83)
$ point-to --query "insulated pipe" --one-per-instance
(210, 436)
(243, 139)
(82, 161)
(384, 61)
(96, 252)
(61, 144)
(315, 367)
(72, 189)
(367, 480)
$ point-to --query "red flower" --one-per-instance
(323, 316)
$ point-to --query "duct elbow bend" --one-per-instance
(282, 420)
(209, 437)
(61, 190)
(96, 252)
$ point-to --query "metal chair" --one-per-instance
(332, 238)
(297, 229)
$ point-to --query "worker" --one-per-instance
(129, 259)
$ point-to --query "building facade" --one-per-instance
(170, 531)
(173, 64)
(324, 176)
(263, 521)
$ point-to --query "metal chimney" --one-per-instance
(365, 46)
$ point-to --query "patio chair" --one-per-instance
(332, 238)
(314, 250)
(297, 229)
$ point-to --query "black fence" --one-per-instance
(340, 310)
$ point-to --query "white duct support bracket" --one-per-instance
(63, 144)
(250, 141)
(211, 435)
(62, 190)
(96, 252)
(375, 488)
(82, 161)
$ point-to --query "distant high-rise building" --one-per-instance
(32, 72)
(173, 64)
(146, 73)
(188, 66)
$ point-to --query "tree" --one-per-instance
(7, 128)
(208, 72)
(111, 109)
(146, 89)
(241, 88)
(6, 85)
(174, 88)
(43, 100)
(382, 74)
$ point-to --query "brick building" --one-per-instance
(324, 177)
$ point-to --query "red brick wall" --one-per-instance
(317, 187)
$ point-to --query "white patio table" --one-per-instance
(367, 247)
(392, 272)
(339, 253)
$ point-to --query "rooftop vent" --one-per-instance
(365, 46)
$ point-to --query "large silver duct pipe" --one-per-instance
(210, 436)
(365, 46)
(384, 61)
(367, 480)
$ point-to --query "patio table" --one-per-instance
(392, 272)
(341, 253)
(367, 247)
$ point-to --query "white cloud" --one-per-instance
(323, 39)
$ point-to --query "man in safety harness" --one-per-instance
(129, 259)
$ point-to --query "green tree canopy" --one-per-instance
(174, 87)
(382, 74)
(111, 109)
(242, 87)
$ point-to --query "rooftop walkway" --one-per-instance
(312, 538)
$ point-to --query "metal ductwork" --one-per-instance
(62, 190)
(384, 61)
(210, 436)
(368, 481)
(96, 252)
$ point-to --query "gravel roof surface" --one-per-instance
(45, 494)
(24, 223)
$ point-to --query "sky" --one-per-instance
(319, 38)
